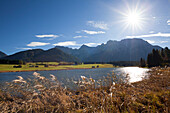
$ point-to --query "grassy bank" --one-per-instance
(43, 95)
(53, 66)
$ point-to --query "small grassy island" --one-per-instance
(44, 95)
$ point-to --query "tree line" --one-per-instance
(157, 58)
(6, 61)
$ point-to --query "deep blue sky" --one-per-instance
(29, 24)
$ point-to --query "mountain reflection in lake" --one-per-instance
(66, 76)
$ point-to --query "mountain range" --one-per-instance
(2, 54)
(124, 50)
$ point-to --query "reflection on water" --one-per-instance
(64, 76)
(135, 73)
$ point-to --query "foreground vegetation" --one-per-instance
(117, 95)
(51, 66)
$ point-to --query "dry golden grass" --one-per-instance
(43, 95)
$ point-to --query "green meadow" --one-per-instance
(51, 66)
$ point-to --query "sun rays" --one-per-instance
(133, 17)
(134, 20)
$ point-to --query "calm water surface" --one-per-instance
(135, 74)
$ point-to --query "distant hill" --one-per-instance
(2, 54)
(124, 50)
(55, 54)
(27, 55)
(39, 55)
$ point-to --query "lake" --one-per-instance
(64, 76)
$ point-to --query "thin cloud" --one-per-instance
(92, 44)
(78, 31)
(168, 22)
(150, 41)
(98, 24)
(24, 48)
(163, 42)
(67, 43)
(151, 32)
(74, 44)
(79, 36)
(34, 44)
(151, 35)
(48, 37)
(44, 36)
(93, 32)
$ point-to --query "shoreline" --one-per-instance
(51, 69)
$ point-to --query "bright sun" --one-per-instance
(133, 19)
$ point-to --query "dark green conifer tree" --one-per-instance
(150, 60)
(142, 62)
